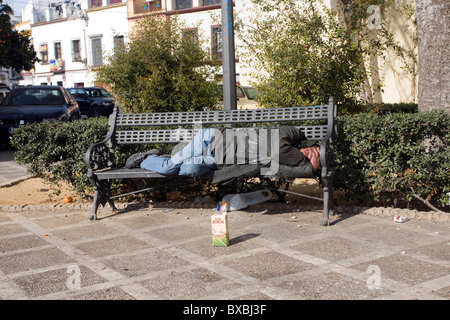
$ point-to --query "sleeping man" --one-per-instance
(236, 152)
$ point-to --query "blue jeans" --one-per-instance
(194, 159)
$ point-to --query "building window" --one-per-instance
(43, 50)
(211, 2)
(76, 50)
(114, 1)
(192, 32)
(216, 39)
(58, 52)
(96, 3)
(183, 4)
(97, 57)
(119, 42)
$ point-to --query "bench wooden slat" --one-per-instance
(179, 135)
(121, 173)
(223, 116)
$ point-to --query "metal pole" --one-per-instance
(228, 56)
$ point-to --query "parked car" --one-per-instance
(246, 96)
(93, 101)
(30, 104)
(4, 89)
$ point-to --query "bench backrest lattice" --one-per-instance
(132, 128)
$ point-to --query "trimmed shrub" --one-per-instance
(378, 157)
(55, 151)
(394, 156)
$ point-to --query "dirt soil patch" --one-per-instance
(34, 191)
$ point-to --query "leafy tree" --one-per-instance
(16, 49)
(305, 52)
(160, 70)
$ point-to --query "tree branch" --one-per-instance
(427, 203)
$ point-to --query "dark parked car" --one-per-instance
(25, 105)
(93, 101)
(4, 89)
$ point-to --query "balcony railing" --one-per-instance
(144, 6)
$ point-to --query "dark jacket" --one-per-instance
(292, 162)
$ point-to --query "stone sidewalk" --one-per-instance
(159, 253)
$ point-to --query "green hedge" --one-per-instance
(394, 156)
(55, 151)
(377, 156)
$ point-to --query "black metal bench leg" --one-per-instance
(102, 195)
(327, 201)
(95, 205)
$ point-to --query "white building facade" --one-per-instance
(71, 37)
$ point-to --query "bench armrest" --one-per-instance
(326, 155)
(326, 146)
(101, 155)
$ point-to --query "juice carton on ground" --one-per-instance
(219, 224)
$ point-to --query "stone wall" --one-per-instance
(433, 27)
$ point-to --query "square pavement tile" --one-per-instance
(113, 293)
(12, 228)
(91, 230)
(285, 231)
(402, 268)
(148, 219)
(146, 262)
(182, 232)
(62, 219)
(439, 251)
(192, 284)
(112, 246)
(332, 248)
(443, 293)
(53, 281)
(35, 259)
(394, 234)
(267, 264)
(4, 217)
(17, 243)
(329, 286)
(238, 242)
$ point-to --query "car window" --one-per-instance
(252, 93)
(76, 92)
(105, 93)
(239, 93)
(27, 97)
(67, 96)
(50, 97)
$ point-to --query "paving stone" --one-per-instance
(330, 286)
(30, 260)
(268, 264)
(17, 243)
(113, 293)
(402, 268)
(149, 261)
(333, 248)
(112, 246)
(52, 281)
(190, 284)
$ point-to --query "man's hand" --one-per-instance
(312, 153)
